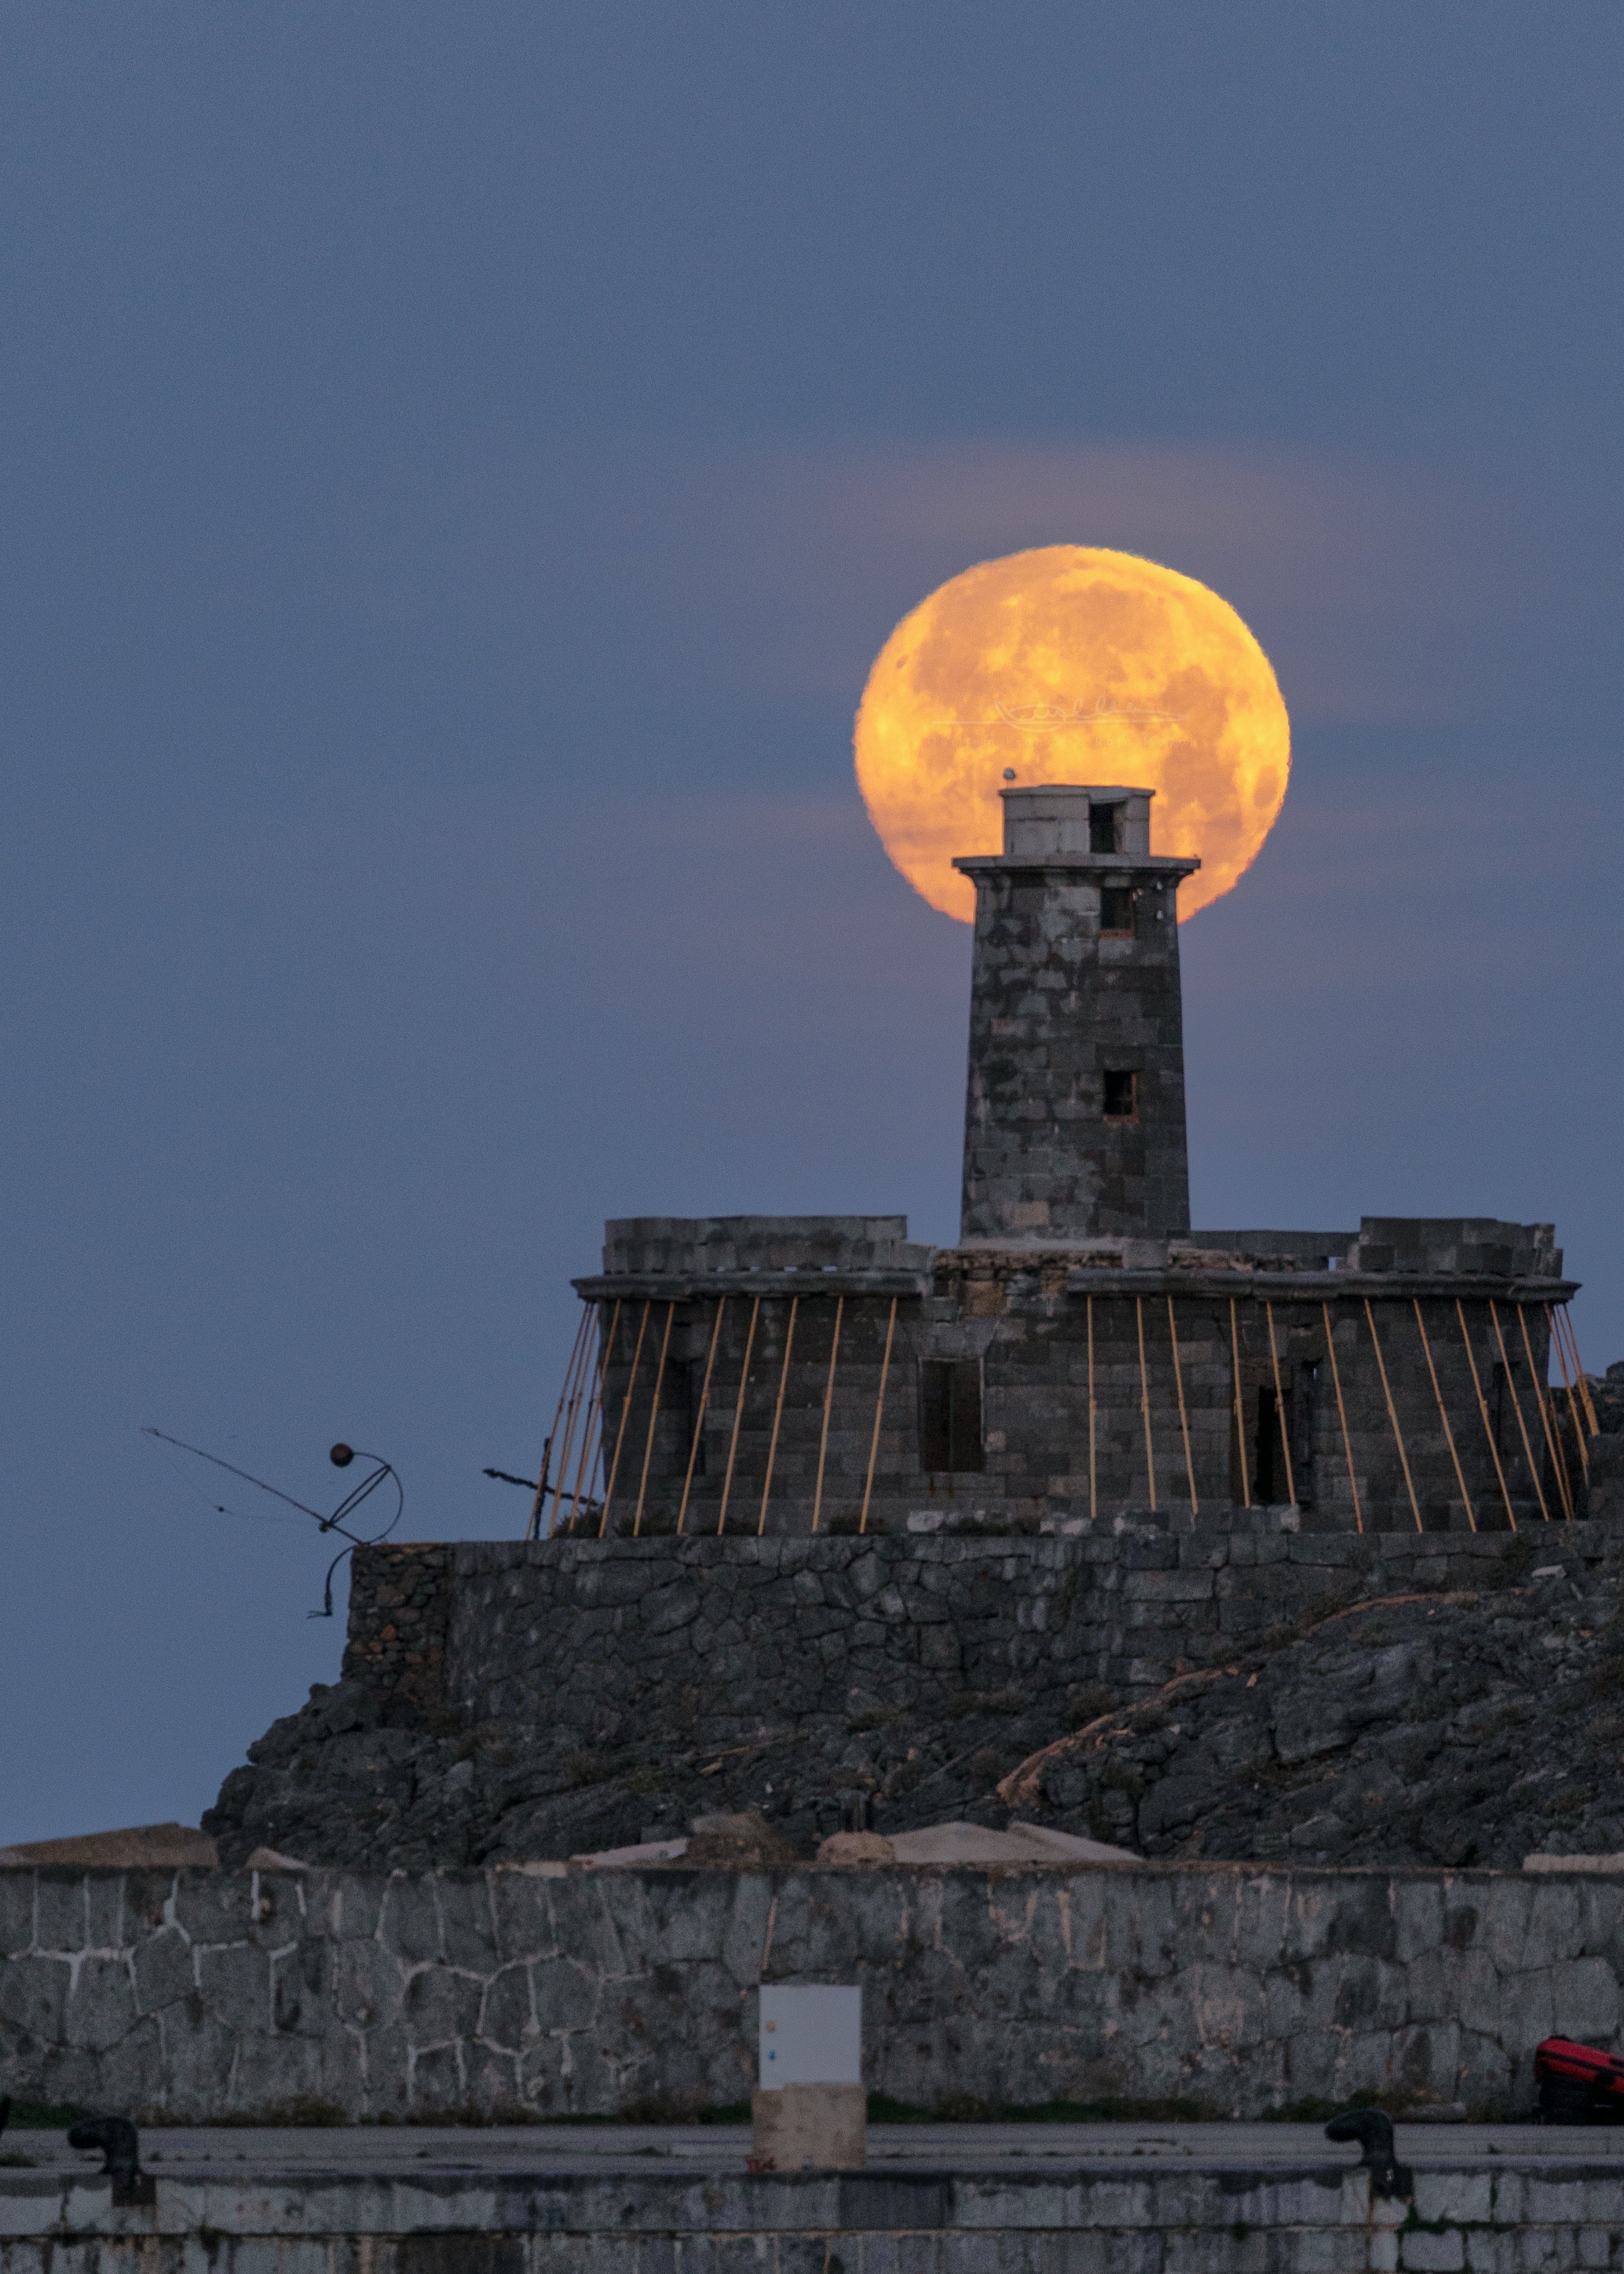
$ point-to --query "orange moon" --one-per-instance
(1071, 664)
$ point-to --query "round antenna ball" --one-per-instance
(341, 1456)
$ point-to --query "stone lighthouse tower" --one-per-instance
(1074, 1126)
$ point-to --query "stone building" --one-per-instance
(1081, 1356)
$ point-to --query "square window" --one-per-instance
(1116, 911)
(1120, 1103)
(1102, 829)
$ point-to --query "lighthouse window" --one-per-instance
(1102, 829)
(1120, 1104)
(1116, 911)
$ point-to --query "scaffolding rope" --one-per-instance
(1183, 1418)
(1516, 1407)
(732, 1444)
(778, 1412)
(1572, 1403)
(829, 1400)
(697, 1439)
(626, 1407)
(592, 1435)
(1280, 1410)
(1342, 1413)
(1460, 1474)
(879, 1408)
(532, 1530)
(571, 1417)
(1483, 1408)
(1240, 1402)
(1559, 1467)
(648, 1442)
(1398, 1434)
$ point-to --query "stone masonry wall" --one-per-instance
(598, 1634)
(1230, 1989)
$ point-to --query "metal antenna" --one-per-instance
(341, 1455)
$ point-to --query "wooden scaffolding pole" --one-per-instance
(733, 1443)
(591, 1446)
(1183, 1418)
(1150, 1463)
(1559, 1467)
(879, 1409)
(1240, 1402)
(829, 1400)
(1342, 1415)
(777, 1411)
(1580, 1376)
(1516, 1407)
(648, 1442)
(1573, 1403)
(1093, 1411)
(1398, 1434)
(594, 1311)
(626, 1411)
(699, 1418)
(1460, 1474)
(1280, 1410)
(532, 1530)
(1483, 1408)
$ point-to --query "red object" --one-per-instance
(1584, 2065)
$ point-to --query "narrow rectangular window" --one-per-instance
(1103, 828)
(950, 1416)
(1116, 911)
(1120, 1102)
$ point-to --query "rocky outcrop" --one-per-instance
(1442, 1724)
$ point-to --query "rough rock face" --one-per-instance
(1430, 1728)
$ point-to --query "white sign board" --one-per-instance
(811, 2034)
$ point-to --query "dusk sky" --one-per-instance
(459, 465)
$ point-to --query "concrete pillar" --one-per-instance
(1074, 1126)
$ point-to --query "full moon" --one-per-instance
(1071, 664)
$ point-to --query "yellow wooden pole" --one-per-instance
(626, 1410)
(1150, 1463)
(1459, 1475)
(777, 1410)
(533, 1528)
(879, 1408)
(570, 1419)
(829, 1400)
(1559, 1467)
(1092, 1495)
(1280, 1410)
(588, 1448)
(1572, 1403)
(1398, 1434)
(1580, 1376)
(647, 1446)
(1240, 1402)
(699, 1418)
(1342, 1415)
(732, 1446)
(1183, 1418)
(1483, 1408)
(1516, 1407)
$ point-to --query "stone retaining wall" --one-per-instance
(588, 1632)
(1230, 1989)
(1520, 2213)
